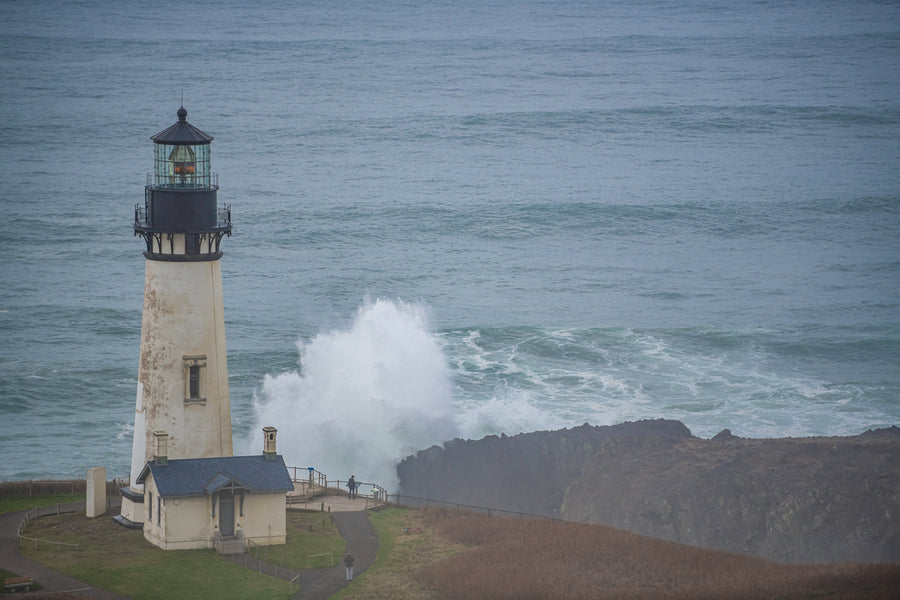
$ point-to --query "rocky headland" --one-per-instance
(792, 500)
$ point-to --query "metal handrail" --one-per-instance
(309, 556)
(223, 215)
(154, 182)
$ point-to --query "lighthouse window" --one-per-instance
(195, 381)
(194, 367)
(183, 166)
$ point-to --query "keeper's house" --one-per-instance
(222, 503)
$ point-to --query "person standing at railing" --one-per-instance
(351, 485)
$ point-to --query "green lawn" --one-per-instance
(10, 504)
(303, 543)
(120, 560)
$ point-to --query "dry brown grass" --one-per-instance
(532, 558)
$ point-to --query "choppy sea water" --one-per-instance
(462, 220)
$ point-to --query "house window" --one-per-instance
(194, 378)
(150, 506)
(158, 510)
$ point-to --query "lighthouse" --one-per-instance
(182, 388)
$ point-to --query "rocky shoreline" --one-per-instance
(792, 500)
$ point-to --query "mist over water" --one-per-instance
(363, 398)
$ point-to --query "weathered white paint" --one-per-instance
(183, 317)
(139, 442)
(265, 519)
(187, 522)
(131, 511)
(95, 494)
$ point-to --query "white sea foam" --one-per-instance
(364, 397)
(126, 431)
(511, 412)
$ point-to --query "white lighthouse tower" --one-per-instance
(182, 389)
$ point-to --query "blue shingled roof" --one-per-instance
(196, 476)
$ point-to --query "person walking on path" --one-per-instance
(351, 485)
(348, 562)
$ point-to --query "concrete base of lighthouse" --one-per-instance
(131, 514)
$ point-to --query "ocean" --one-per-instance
(460, 219)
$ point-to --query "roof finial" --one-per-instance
(182, 113)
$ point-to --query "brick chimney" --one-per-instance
(161, 457)
(269, 442)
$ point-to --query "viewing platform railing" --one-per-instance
(309, 483)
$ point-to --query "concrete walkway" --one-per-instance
(362, 543)
(316, 584)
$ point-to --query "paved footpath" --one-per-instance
(316, 584)
(362, 543)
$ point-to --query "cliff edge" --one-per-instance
(794, 500)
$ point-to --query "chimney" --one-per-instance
(162, 448)
(269, 442)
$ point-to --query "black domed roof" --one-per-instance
(182, 133)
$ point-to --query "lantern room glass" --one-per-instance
(181, 165)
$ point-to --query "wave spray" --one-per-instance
(363, 398)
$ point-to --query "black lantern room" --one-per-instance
(180, 219)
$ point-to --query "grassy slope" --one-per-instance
(120, 560)
(400, 556)
(448, 555)
(10, 504)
